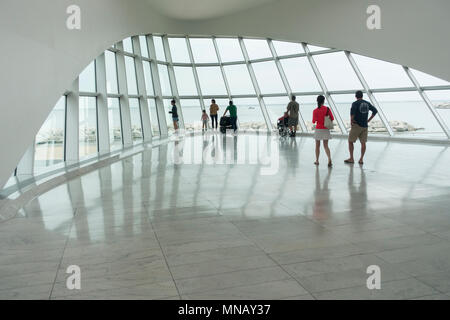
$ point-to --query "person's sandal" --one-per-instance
(316, 163)
(330, 164)
(349, 161)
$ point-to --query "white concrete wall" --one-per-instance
(40, 57)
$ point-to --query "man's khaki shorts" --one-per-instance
(358, 132)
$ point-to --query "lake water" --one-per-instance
(414, 113)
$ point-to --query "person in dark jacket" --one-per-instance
(174, 115)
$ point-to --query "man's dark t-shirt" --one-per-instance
(360, 111)
(174, 112)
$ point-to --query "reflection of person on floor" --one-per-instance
(322, 201)
(358, 195)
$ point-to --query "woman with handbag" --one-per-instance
(323, 118)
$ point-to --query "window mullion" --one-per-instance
(157, 87)
(369, 93)
(194, 70)
(255, 85)
(227, 86)
(124, 99)
(173, 81)
(142, 90)
(72, 132)
(325, 89)
(285, 82)
(429, 104)
(102, 105)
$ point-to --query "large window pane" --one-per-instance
(87, 126)
(136, 123)
(381, 74)
(131, 75)
(49, 148)
(127, 45)
(284, 48)
(257, 49)
(111, 72)
(249, 114)
(268, 77)
(179, 50)
(276, 107)
(143, 45)
(164, 79)
(425, 79)
(115, 127)
(86, 79)
(337, 72)
(185, 81)
(148, 78)
(441, 103)
(316, 48)
(159, 48)
(300, 75)
(344, 103)
(211, 81)
(239, 79)
(154, 117)
(408, 114)
(192, 113)
(203, 50)
(229, 50)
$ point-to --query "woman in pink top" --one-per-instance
(321, 132)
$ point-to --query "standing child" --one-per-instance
(205, 119)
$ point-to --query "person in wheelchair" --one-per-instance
(282, 125)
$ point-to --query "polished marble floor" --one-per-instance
(151, 227)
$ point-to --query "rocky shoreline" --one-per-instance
(444, 105)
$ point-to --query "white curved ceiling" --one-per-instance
(203, 9)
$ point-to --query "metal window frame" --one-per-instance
(369, 92)
(102, 105)
(124, 98)
(71, 125)
(173, 81)
(157, 87)
(427, 101)
(262, 104)
(327, 94)
(225, 79)
(285, 82)
(142, 90)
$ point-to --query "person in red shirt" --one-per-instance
(284, 117)
(322, 133)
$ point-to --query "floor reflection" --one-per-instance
(120, 221)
